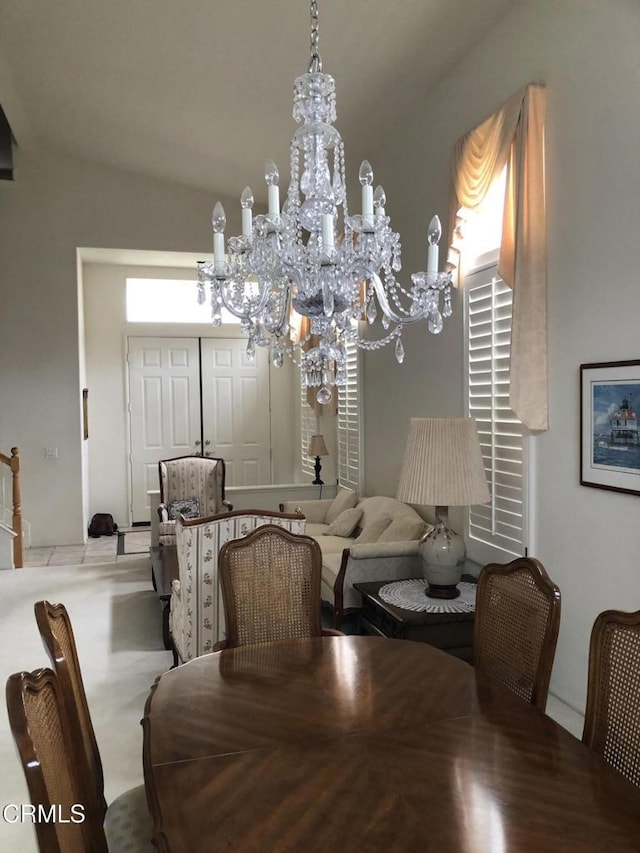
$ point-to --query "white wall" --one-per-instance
(56, 204)
(106, 331)
(586, 52)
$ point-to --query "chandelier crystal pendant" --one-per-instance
(312, 256)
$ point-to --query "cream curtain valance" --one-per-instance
(513, 137)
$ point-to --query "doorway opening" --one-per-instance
(104, 370)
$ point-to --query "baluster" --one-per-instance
(17, 507)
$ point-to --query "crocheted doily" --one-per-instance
(410, 595)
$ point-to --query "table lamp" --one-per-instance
(317, 448)
(442, 467)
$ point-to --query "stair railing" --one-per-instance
(13, 463)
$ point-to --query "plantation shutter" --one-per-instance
(496, 530)
(349, 423)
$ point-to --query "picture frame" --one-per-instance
(609, 435)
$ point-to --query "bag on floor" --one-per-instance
(102, 524)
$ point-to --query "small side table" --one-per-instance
(451, 632)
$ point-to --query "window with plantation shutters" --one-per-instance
(349, 424)
(496, 531)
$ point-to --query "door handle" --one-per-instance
(207, 442)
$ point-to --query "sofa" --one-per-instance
(366, 539)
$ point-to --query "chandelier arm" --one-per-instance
(404, 319)
(285, 309)
(247, 314)
(401, 319)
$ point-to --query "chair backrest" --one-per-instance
(270, 584)
(188, 477)
(516, 627)
(44, 737)
(612, 716)
(57, 635)
(198, 544)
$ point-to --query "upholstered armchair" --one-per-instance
(196, 610)
(190, 486)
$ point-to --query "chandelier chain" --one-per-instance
(316, 61)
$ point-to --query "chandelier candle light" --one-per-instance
(312, 256)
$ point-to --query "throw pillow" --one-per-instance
(404, 528)
(345, 523)
(186, 507)
(345, 499)
(373, 531)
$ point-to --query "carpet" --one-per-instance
(116, 619)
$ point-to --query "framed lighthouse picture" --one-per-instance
(609, 414)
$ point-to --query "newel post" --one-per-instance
(17, 507)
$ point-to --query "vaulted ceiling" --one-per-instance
(200, 91)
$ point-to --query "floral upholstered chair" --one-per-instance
(192, 487)
(197, 613)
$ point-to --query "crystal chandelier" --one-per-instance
(315, 258)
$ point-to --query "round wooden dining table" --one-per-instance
(371, 744)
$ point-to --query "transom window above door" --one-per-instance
(164, 300)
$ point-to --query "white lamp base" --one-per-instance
(443, 556)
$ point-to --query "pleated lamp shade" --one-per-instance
(442, 464)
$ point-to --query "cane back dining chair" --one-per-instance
(190, 486)
(49, 746)
(196, 619)
(612, 715)
(270, 583)
(43, 736)
(516, 627)
(126, 820)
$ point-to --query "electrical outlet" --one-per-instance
(51, 453)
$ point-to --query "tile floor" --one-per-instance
(101, 550)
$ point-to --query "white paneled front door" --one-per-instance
(164, 401)
(235, 410)
(167, 377)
